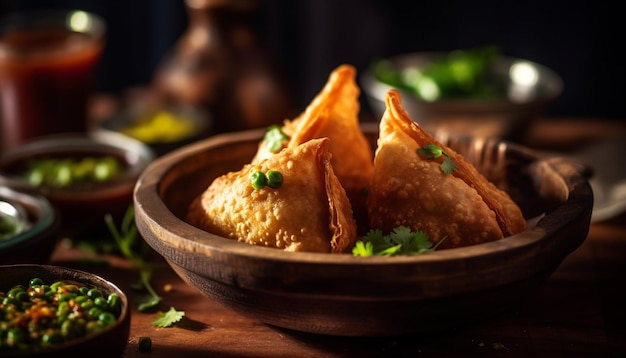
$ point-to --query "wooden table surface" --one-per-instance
(580, 311)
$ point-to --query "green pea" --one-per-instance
(52, 337)
(68, 328)
(49, 295)
(35, 282)
(258, 180)
(55, 286)
(87, 305)
(15, 336)
(113, 301)
(94, 292)
(145, 344)
(81, 299)
(106, 319)
(94, 312)
(66, 297)
(6, 301)
(274, 179)
(101, 302)
(93, 327)
(15, 290)
(22, 296)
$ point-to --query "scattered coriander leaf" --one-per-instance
(274, 138)
(448, 166)
(432, 151)
(402, 241)
(127, 239)
(363, 249)
(168, 318)
(148, 303)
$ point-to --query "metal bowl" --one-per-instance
(39, 222)
(528, 87)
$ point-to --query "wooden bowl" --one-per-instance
(109, 342)
(338, 294)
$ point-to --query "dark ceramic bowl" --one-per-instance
(36, 241)
(110, 342)
(339, 294)
(529, 89)
(82, 209)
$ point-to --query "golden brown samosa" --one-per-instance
(308, 212)
(422, 184)
(334, 113)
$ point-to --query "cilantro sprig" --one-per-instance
(168, 318)
(127, 239)
(274, 138)
(432, 151)
(401, 241)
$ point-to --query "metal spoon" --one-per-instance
(14, 213)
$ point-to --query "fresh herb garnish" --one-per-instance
(274, 138)
(168, 318)
(127, 239)
(432, 151)
(402, 241)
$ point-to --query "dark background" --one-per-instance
(581, 40)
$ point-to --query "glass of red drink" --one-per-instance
(47, 72)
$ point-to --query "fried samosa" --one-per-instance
(422, 184)
(333, 113)
(307, 211)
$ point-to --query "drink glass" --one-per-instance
(47, 72)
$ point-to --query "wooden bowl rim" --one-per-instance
(151, 210)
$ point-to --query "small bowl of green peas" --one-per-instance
(85, 176)
(50, 310)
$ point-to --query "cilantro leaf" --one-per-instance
(274, 138)
(432, 151)
(402, 241)
(448, 166)
(168, 318)
(363, 249)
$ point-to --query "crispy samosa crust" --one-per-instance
(308, 212)
(411, 190)
(334, 113)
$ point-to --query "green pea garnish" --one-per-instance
(274, 179)
(258, 181)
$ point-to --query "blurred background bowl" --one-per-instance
(340, 294)
(521, 90)
(35, 242)
(81, 207)
(109, 342)
(163, 128)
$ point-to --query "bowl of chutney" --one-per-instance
(84, 176)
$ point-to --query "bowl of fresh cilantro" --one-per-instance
(478, 91)
(391, 283)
